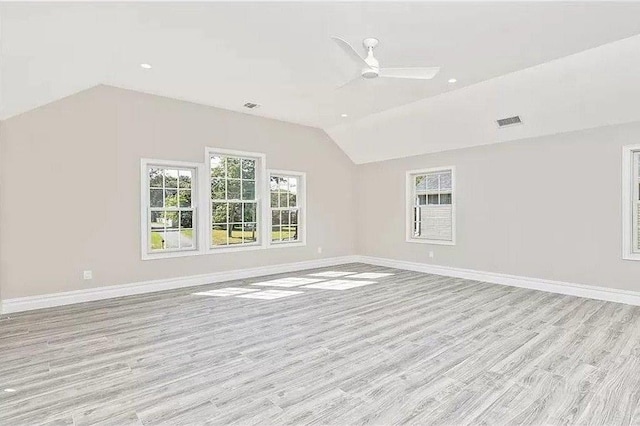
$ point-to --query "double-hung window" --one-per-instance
(168, 214)
(236, 182)
(631, 202)
(431, 206)
(287, 199)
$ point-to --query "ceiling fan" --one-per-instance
(371, 67)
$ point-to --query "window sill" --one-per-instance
(287, 244)
(631, 256)
(436, 242)
(170, 254)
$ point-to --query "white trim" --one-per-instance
(560, 287)
(145, 163)
(409, 206)
(261, 177)
(302, 208)
(628, 192)
(71, 297)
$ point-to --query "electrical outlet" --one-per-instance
(431, 254)
(319, 250)
(87, 275)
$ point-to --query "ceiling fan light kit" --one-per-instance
(371, 66)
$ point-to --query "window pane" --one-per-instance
(235, 212)
(171, 197)
(294, 217)
(422, 199)
(420, 184)
(219, 212)
(172, 239)
(217, 167)
(433, 199)
(445, 198)
(248, 169)
(445, 181)
(185, 198)
(184, 179)
(285, 217)
(186, 219)
(157, 240)
(233, 168)
(432, 182)
(248, 190)
(233, 189)
(218, 190)
(157, 220)
(284, 199)
(249, 212)
(274, 199)
(275, 233)
(186, 238)
(235, 233)
(155, 197)
(155, 178)
(275, 217)
(273, 183)
(171, 220)
(292, 200)
(170, 178)
(219, 235)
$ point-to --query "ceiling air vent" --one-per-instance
(509, 121)
(251, 105)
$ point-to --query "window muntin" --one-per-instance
(431, 205)
(285, 202)
(171, 214)
(235, 206)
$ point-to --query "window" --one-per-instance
(431, 206)
(286, 194)
(169, 194)
(236, 179)
(631, 202)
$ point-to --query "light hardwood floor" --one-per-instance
(407, 348)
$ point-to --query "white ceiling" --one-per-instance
(280, 54)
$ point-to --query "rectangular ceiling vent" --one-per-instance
(251, 105)
(509, 121)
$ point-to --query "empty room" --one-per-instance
(339, 213)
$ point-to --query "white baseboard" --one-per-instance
(580, 290)
(66, 298)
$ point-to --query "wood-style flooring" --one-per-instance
(407, 348)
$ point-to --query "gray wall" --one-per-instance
(70, 174)
(547, 208)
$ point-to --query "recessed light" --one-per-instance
(343, 115)
(9, 390)
(452, 80)
(145, 66)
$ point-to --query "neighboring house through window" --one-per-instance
(287, 197)
(431, 206)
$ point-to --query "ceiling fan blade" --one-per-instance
(413, 73)
(350, 51)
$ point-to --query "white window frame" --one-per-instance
(409, 204)
(145, 234)
(261, 209)
(302, 211)
(630, 181)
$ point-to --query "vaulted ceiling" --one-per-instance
(560, 65)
